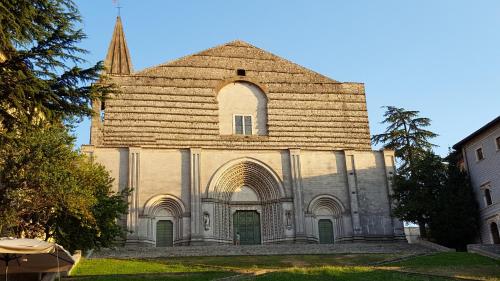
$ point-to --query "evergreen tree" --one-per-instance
(40, 73)
(405, 134)
(416, 194)
(455, 218)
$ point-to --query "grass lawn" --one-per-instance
(462, 265)
(293, 267)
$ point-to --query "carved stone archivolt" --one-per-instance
(328, 207)
(263, 181)
(169, 203)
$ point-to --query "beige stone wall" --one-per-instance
(323, 172)
(361, 203)
(174, 105)
(164, 172)
(116, 162)
(241, 98)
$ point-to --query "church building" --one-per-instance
(237, 145)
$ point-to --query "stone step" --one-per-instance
(251, 250)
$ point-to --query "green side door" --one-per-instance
(325, 228)
(247, 224)
(164, 233)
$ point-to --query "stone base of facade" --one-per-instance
(135, 242)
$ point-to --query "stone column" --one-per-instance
(353, 194)
(196, 216)
(133, 184)
(397, 225)
(298, 198)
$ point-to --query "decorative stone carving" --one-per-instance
(265, 185)
(206, 221)
(288, 216)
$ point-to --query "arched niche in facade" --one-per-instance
(242, 98)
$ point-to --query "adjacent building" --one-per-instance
(481, 158)
(235, 144)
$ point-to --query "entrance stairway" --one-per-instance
(253, 250)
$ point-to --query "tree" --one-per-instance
(50, 191)
(40, 76)
(416, 194)
(455, 217)
(405, 134)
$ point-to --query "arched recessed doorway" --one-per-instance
(165, 220)
(326, 212)
(325, 229)
(247, 198)
(164, 233)
(494, 233)
(246, 224)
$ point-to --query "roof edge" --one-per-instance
(477, 132)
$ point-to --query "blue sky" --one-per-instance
(439, 57)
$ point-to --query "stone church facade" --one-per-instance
(235, 142)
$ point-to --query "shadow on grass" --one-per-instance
(195, 276)
(343, 274)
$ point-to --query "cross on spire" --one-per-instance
(118, 7)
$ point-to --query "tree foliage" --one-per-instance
(41, 73)
(428, 191)
(405, 134)
(50, 191)
(454, 221)
(415, 194)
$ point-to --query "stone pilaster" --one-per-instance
(298, 197)
(196, 211)
(397, 225)
(88, 150)
(353, 194)
(133, 184)
(96, 123)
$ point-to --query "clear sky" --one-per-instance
(439, 57)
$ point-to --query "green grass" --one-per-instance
(460, 264)
(343, 274)
(292, 267)
(194, 276)
(132, 270)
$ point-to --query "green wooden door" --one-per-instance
(325, 228)
(164, 233)
(247, 224)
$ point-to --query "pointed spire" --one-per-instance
(118, 58)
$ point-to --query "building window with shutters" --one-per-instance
(497, 141)
(242, 124)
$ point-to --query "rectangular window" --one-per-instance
(479, 154)
(487, 196)
(248, 125)
(238, 124)
(497, 140)
(243, 124)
